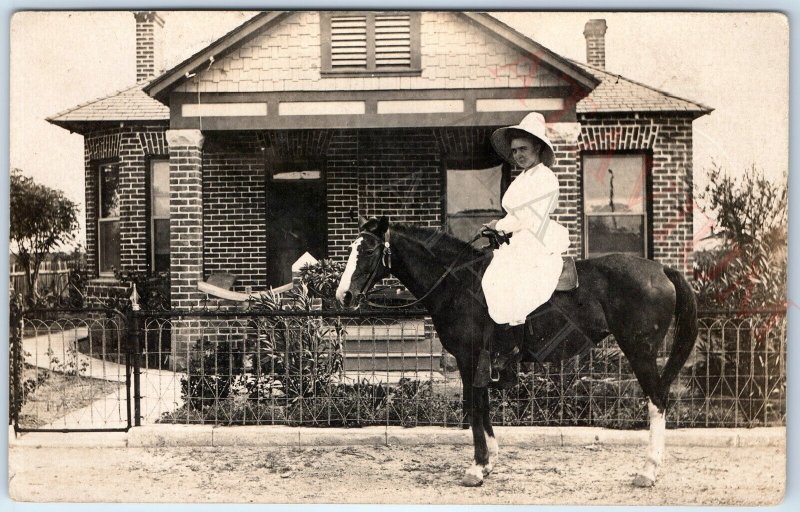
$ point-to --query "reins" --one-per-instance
(387, 254)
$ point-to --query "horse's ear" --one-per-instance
(362, 221)
(383, 225)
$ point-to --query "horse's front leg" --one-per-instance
(475, 400)
(491, 441)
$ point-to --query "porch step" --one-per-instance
(369, 363)
(396, 346)
(383, 347)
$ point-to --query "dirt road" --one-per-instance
(592, 474)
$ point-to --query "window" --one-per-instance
(159, 215)
(366, 42)
(614, 203)
(473, 198)
(108, 219)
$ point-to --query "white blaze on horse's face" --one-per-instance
(349, 269)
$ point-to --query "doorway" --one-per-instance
(296, 220)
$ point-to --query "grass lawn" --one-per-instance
(49, 395)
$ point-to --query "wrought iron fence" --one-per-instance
(325, 368)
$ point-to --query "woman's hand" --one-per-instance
(491, 225)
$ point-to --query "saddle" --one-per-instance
(568, 280)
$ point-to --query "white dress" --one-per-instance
(524, 273)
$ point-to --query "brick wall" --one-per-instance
(234, 209)
(668, 140)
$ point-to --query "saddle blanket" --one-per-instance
(551, 336)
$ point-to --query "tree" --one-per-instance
(42, 219)
(749, 269)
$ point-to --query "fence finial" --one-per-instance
(135, 299)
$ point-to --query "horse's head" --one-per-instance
(368, 262)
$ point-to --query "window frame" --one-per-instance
(326, 68)
(151, 217)
(100, 165)
(646, 214)
(467, 164)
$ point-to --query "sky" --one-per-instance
(734, 63)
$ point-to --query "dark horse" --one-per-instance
(632, 298)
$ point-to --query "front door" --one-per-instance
(296, 221)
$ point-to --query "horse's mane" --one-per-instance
(444, 243)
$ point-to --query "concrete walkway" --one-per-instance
(57, 351)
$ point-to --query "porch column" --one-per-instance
(186, 234)
(567, 168)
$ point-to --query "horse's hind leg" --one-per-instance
(655, 450)
(643, 362)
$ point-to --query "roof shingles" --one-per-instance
(619, 94)
(131, 104)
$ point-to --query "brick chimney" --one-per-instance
(148, 44)
(595, 34)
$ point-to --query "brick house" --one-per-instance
(271, 141)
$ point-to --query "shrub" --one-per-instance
(322, 279)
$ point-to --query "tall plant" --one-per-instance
(749, 269)
(42, 219)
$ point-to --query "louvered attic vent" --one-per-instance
(373, 43)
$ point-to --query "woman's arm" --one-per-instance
(532, 210)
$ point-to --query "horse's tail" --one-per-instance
(685, 329)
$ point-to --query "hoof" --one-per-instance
(643, 481)
(487, 469)
(473, 477)
(471, 481)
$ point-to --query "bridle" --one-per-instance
(386, 260)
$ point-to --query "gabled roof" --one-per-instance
(131, 105)
(159, 88)
(619, 94)
(529, 46)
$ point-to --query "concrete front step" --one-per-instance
(382, 347)
(396, 330)
(366, 363)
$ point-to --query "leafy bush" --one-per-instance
(153, 288)
(322, 279)
(748, 270)
(281, 358)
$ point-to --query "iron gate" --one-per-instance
(71, 371)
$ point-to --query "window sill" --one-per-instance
(360, 73)
(104, 280)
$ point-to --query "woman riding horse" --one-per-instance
(523, 274)
(634, 299)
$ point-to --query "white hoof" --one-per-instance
(473, 477)
(643, 480)
(487, 469)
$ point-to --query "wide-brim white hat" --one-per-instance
(533, 124)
